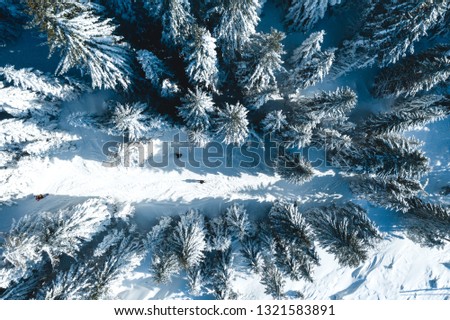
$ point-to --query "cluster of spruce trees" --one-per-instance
(202, 65)
(83, 251)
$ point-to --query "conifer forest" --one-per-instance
(224, 149)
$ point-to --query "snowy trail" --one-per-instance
(81, 177)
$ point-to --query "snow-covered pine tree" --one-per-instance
(46, 235)
(163, 267)
(177, 21)
(299, 135)
(28, 93)
(257, 73)
(345, 231)
(198, 138)
(341, 240)
(428, 223)
(188, 239)
(309, 114)
(238, 20)
(36, 81)
(326, 105)
(414, 74)
(391, 156)
(273, 281)
(392, 193)
(237, 221)
(310, 63)
(304, 14)
(267, 241)
(195, 281)
(130, 119)
(196, 110)
(294, 247)
(22, 138)
(119, 253)
(85, 40)
(275, 122)
(408, 114)
(442, 29)
(390, 30)
(289, 223)
(335, 142)
(222, 274)
(96, 272)
(26, 287)
(55, 233)
(201, 59)
(294, 168)
(218, 235)
(154, 68)
(72, 284)
(164, 263)
(232, 124)
(24, 103)
(251, 252)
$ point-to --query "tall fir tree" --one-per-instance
(50, 87)
(294, 169)
(238, 21)
(154, 68)
(201, 58)
(345, 231)
(408, 114)
(251, 252)
(188, 239)
(119, 253)
(222, 275)
(237, 221)
(275, 122)
(392, 193)
(414, 74)
(177, 21)
(325, 104)
(294, 248)
(428, 223)
(85, 41)
(49, 235)
(257, 73)
(273, 281)
(310, 63)
(304, 14)
(130, 119)
(390, 156)
(389, 32)
(232, 124)
(196, 110)
(164, 263)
